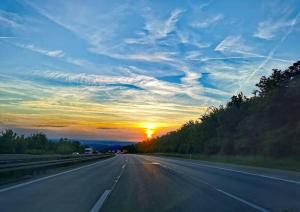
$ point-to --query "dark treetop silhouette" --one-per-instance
(266, 124)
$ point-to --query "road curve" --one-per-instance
(148, 183)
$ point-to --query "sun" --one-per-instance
(149, 130)
(149, 133)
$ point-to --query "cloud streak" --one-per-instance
(156, 29)
(269, 29)
(271, 53)
(208, 22)
(233, 44)
(50, 53)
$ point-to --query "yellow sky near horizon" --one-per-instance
(75, 117)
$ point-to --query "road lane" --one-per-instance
(148, 186)
(73, 191)
(148, 183)
(156, 183)
(266, 190)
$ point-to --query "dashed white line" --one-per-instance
(98, 205)
(100, 201)
(155, 163)
(51, 176)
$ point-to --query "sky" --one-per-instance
(122, 70)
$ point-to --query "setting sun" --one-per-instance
(149, 133)
(149, 130)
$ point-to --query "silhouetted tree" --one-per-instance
(37, 143)
(265, 124)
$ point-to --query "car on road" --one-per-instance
(75, 153)
(88, 151)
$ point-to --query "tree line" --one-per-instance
(268, 123)
(38, 143)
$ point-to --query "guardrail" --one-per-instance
(5, 167)
(7, 159)
(15, 171)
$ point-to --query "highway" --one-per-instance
(150, 183)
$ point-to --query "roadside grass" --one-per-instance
(256, 161)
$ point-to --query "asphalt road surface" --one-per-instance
(148, 183)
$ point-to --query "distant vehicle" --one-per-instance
(88, 151)
(75, 153)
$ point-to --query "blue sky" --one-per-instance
(98, 69)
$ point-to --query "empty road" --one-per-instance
(148, 183)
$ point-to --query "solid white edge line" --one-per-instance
(100, 201)
(259, 208)
(50, 176)
(241, 172)
(250, 173)
(243, 201)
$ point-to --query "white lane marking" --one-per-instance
(98, 205)
(243, 201)
(118, 177)
(51, 176)
(244, 172)
(152, 163)
(155, 163)
(100, 201)
(259, 208)
(250, 173)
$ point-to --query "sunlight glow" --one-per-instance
(149, 130)
(149, 133)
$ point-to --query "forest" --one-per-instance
(38, 143)
(265, 124)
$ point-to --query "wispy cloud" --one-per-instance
(10, 19)
(7, 37)
(155, 57)
(233, 44)
(49, 125)
(50, 53)
(193, 55)
(279, 19)
(207, 22)
(143, 56)
(189, 86)
(190, 38)
(269, 29)
(106, 128)
(156, 28)
(271, 54)
(250, 56)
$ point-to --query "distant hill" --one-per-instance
(101, 145)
